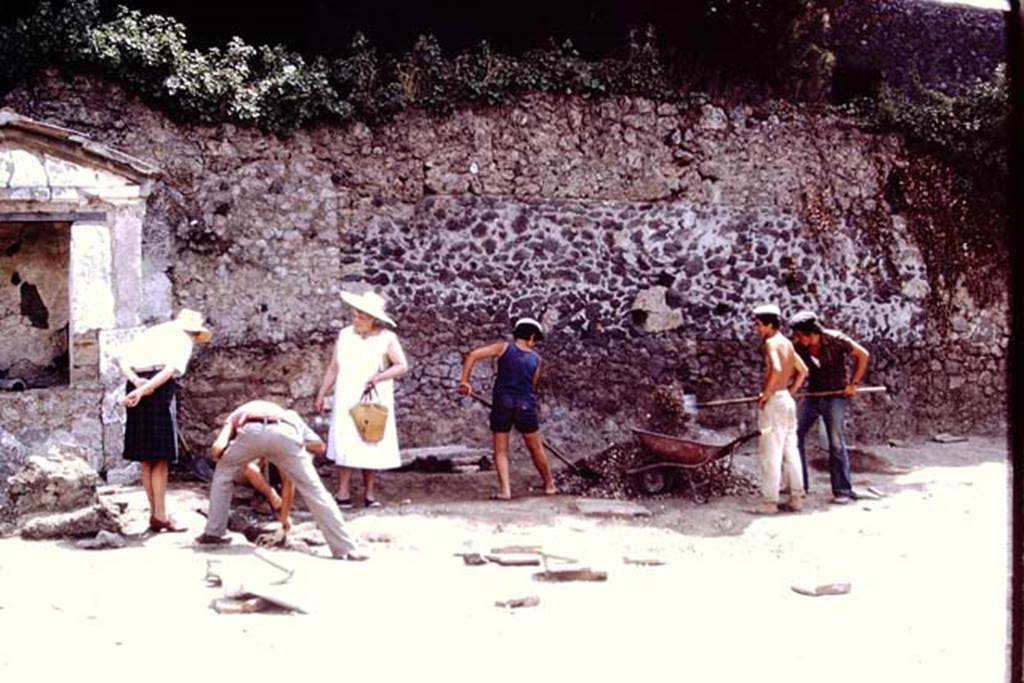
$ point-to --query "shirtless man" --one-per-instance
(784, 372)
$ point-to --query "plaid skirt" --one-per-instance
(151, 430)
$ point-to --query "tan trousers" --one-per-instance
(281, 444)
(777, 446)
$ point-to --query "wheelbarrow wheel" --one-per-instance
(655, 481)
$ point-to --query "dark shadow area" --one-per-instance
(1015, 377)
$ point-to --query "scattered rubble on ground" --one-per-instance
(943, 437)
(841, 588)
(562, 575)
(528, 601)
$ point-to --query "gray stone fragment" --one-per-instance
(103, 540)
(80, 523)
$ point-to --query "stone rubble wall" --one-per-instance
(641, 235)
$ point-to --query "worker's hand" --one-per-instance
(762, 400)
(850, 390)
(465, 388)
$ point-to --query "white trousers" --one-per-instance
(282, 445)
(777, 447)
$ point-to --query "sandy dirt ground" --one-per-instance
(927, 567)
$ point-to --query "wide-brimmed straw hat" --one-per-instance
(192, 321)
(370, 303)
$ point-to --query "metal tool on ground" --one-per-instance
(691, 406)
(580, 468)
(671, 456)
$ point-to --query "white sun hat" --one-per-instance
(192, 321)
(370, 303)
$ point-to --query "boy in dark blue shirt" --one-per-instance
(514, 401)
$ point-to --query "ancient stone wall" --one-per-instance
(640, 234)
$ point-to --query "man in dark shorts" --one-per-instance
(514, 399)
(825, 353)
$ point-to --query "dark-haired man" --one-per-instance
(514, 400)
(784, 372)
(826, 352)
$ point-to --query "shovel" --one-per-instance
(583, 469)
(691, 406)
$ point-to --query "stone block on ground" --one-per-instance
(457, 459)
(81, 523)
(57, 482)
(103, 540)
(610, 508)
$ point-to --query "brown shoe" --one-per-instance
(207, 539)
(168, 525)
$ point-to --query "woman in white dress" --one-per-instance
(367, 356)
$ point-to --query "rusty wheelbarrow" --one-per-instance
(670, 458)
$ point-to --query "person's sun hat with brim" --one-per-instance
(370, 303)
(192, 321)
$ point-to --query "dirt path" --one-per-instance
(927, 565)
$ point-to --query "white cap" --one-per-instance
(803, 317)
(768, 309)
(529, 321)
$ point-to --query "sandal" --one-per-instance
(373, 503)
(343, 503)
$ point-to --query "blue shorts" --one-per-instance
(508, 412)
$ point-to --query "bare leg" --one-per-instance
(540, 460)
(344, 479)
(160, 470)
(501, 464)
(369, 482)
(255, 478)
(287, 497)
(147, 483)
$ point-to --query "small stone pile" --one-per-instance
(613, 463)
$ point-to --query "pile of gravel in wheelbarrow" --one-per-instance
(609, 479)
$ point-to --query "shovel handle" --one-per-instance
(840, 392)
(728, 401)
(813, 394)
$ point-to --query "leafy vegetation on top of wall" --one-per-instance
(279, 90)
(969, 131)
